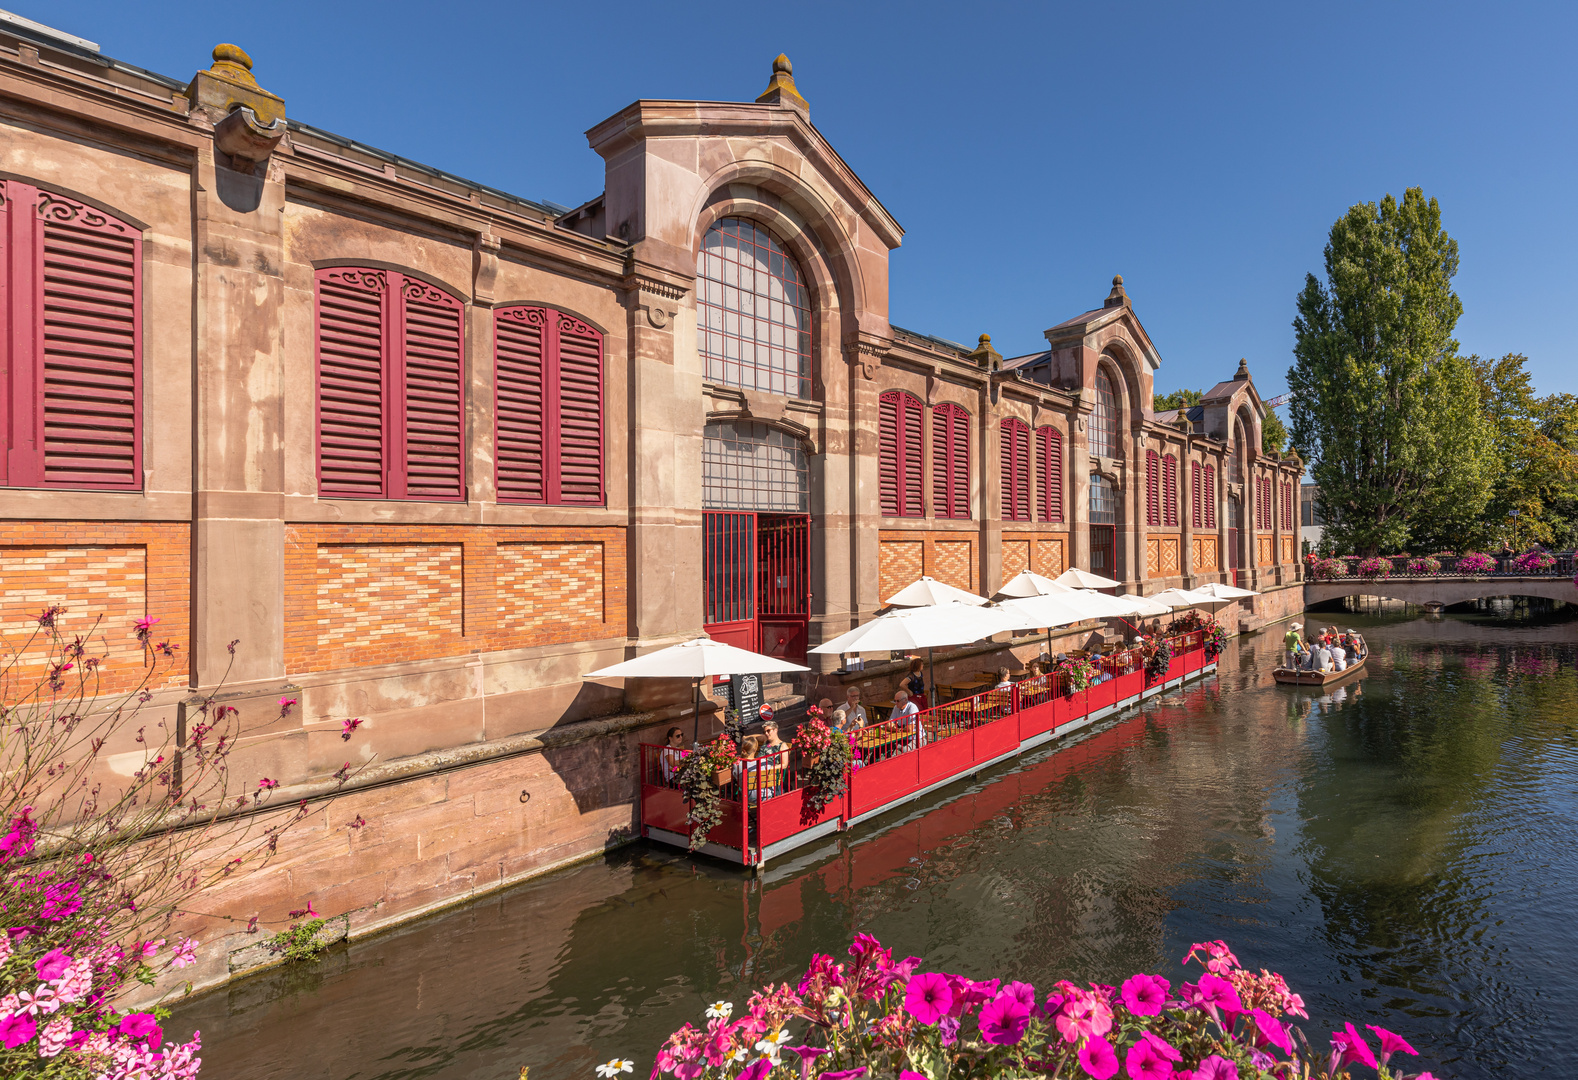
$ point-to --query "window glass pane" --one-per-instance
(766, 301)
(750, 466)
(1103, 501)
(1104, 419)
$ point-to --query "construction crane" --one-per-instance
(1280, 399)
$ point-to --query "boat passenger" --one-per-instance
(1323, 659)
(1339, 656)
(915, 682)
(672, 754)
(1293, 641)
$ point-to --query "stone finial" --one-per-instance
(781, 89)
(1117, 297)
(986, 356)
(248, 120)
(1243, 370)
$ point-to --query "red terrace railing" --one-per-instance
(765, 808)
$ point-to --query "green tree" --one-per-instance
(1273, 433)
(1382, 405)
(1178, 399)
(1535, 489)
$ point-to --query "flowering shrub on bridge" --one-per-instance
(1424, 566)
(874, 1018)
(1373, 568)
(96, 866)
(1476, 562)
(1533, 562)
(1327, 569)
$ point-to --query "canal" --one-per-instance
(1405, 851)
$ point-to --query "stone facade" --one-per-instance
(459, 629)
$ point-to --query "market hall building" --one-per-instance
(432, 451)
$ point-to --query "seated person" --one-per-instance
(672, 754)
(854, 712)
(1339, 657)
(905, 717)
(751, 766)
(829, 716)
(771, 742)
(1323, 659)
(1003, 681)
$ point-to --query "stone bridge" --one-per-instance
(1443, 590)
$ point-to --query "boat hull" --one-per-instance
(1289, 677)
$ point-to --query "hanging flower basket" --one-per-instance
(1476, 562)
(1533, 562)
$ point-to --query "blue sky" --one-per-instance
(1029, 151)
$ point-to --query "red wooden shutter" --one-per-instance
(1210, 496)
(580, 413)
(519, 343)
(71, 384)
(910, 457)
(1170, 492)
(1152, 511)
(1050, 471)
(1195, 521)
(950, 461)
(888, 452)
(431, 404)
(353, 335)
(1015, 453)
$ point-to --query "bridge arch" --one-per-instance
(1444, 591)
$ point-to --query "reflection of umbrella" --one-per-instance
(1225, 592)
(920, 628)
(1084, 579)
(928, 592)
(696, 659)
(1026, 583)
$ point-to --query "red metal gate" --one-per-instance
(784, 590)
(729, 576)
(1103, 558)
(1235, 519)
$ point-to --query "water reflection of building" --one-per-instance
(430, 450)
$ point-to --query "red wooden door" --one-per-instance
(783, 583)
(1103, 560)
(729, 577)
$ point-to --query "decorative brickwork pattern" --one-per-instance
(1203, 554)
(113, 572)
(1161, 556)
(899, 562)
(543, 584)
(445, 590)
(953, 564)
(1169, 555)
(1016, 558)
(1153, 557)
(1050, 561)
(1262, 551)
(393, 601)
(1288, 552)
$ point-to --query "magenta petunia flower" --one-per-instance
(1145, 995)
(1023, 993)
(754, 1071)
(928, 998)
(1348, 1046)
(1219, 992)
(1161, 1046)
(1273, 1030)
(1098, 1058)
(846, 1074)
(52, 965)
(17, 1029)
(140, 1027)
(1003, 1020)
(1215, 1068)
(1144, 1063)
(1391, 1043)
(863, 944)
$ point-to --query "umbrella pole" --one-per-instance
(931, 679)
(695, 724)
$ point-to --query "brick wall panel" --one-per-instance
(899, 562)
(953, 564)
(1016, 558)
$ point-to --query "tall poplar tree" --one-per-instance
(1382, 404)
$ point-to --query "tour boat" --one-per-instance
(1291, 677)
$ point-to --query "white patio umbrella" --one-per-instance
(1225, 592)
(1145, 605)
(1104, 606)
(1084, 579)
(1183, 598)
(695, 659)
(1035, 612)
(1027, 583)
(921, 628)
(929, 592)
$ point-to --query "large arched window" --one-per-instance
(753, 310)
(750, 466)
(1104, 419)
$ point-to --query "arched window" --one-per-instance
(1195, 495)
(950, 461)
(1153, 514)
(1235, 513)
(753, 310)
(1169, 492)
(899, 454)
(548, 393)
(750, 466)
(1104, 418)
(1049, 473)
(71, 297)
(1210, 496)
(1103, 501)
(1015, 437)
(390, 396)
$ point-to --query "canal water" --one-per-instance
(1404, 850)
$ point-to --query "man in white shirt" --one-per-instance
(904, 713)
(1339, 657)
(1323, 659)
(854, 712)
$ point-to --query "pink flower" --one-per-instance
(846, 1074)
(1348, 1046)
(42, 1000)
(140, 1027)
(60, 901)
(352, 724)
(1272, 1029)
(1084, 1013)
(1003, 1020)
(185, 953)
(1145, 1063)
(1219, 958)
(75, 982)
(52, 965)
(1391, 1043)
(1161, 1046)
(285, 704)
(1145, 995)
(1220, 993)
(145, 628)
(928, 998)
(808, 1054)
(16, 1029)
(754, 1071)
(1215, 1068)
(266, 784)
(55, 1037)
(1097, 1058)
(1023, 993)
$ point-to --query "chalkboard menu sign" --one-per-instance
(746, 692)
